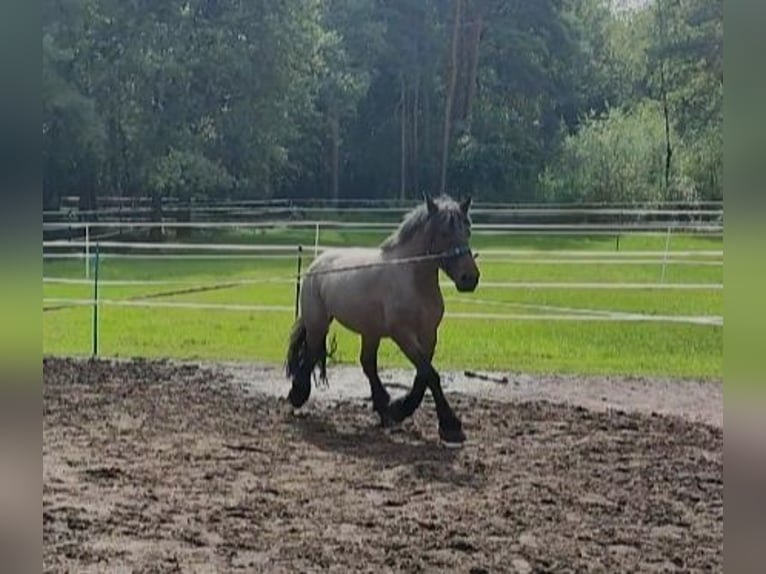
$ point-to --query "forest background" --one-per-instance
(509, 100)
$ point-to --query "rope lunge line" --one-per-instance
(449, 254)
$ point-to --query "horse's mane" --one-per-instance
(416, 219)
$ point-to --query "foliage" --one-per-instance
(360, 97)
(617, 158)
(666, 60)
(186, 174)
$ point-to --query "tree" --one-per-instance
(353, 42)
(457, 13)
(73, 133)
(619, 157)
(375, 98)
(686, 74)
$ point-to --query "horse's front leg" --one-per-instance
(420, 354)
(424, 346)
(405, 406)
(450, 428)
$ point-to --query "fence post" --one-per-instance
(316, 241)
(665, 257)
(95, 302)
(87, 251)
(298, 280)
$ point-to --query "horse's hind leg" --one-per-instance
(368, 357)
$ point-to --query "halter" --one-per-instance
(456, 252)
(452, 253)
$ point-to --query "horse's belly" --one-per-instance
(364, 317)
(356, 303)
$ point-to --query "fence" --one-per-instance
(95, 242)
(370, 216)
(127, 205)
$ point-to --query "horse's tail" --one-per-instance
(297, 350)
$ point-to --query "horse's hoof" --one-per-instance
(299, 412)
(452, 438)
(298, 396)
(452, 445)
(390, 425)
(394, 414)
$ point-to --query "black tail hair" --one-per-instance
(297, 350)
(298, 358)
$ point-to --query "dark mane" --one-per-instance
(416, 219)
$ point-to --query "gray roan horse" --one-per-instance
(390, 291)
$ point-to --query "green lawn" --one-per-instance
(640, 348)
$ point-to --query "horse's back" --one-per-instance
(347, 256)
(351, 286)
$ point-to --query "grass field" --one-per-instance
(640, 348)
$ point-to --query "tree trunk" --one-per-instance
(668, 146)
(473, 68)
(664, 94)
(155, 234)
(450, 96)
(458, 97)
(469, 38)
(415, 137)
(87, 200)
(428, 139)
(184, 216)
(403, 156)
(335, 156)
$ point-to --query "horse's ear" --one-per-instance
(430, 203)
(465, 205)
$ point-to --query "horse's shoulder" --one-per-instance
(352, 254)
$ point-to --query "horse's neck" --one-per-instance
(426, 271)
(417, 246)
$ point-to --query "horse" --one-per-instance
(393, 292)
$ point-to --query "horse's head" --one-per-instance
(449, 233)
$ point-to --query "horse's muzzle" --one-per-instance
(467, 282)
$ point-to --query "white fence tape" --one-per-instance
(359, 225)
(477, 209)
(484, 257)
(445, 284)
(293, 250)
(714, 320)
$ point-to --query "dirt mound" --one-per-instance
(164, 468)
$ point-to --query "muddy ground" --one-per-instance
(160, 467)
